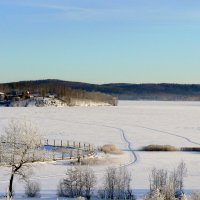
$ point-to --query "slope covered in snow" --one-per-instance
(54, 102)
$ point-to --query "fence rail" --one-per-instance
(51, 150)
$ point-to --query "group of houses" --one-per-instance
(17, 95)
(5, 98)
(14, 95)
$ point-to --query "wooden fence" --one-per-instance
(54, 149)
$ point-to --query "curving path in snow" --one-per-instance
(169, 133)
(134, 156)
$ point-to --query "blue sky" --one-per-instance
(100, 41)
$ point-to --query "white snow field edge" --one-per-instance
(129, 126)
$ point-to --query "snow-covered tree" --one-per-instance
(168, 184)
(19, 148)
(89, 180)
(79, 181)
(181, 172)
(116, 184)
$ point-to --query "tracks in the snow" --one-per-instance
(134, 157)
(169, 133)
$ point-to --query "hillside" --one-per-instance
(28, 92)
(125, 91)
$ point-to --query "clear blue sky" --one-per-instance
(100, 41)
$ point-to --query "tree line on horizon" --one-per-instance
(126, 91)
(61, 91)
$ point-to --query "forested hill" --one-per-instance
(163, 91)
(60, 90)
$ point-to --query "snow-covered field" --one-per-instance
(129, 126)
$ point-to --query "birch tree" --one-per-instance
(19, 148)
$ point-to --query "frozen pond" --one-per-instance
(142, 122)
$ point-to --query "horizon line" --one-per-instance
(129, 83)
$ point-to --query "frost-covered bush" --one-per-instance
(195, 195)
(32, 189)
(111, 148)
(79, 181)
(169, 185)
(154, 195)
(116, 184)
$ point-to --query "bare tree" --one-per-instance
(79, 181)
(110, 182)
(19, 147)
(158, 179)
(169, 185)
(89, 180)
(117, 184)
(71, 186)
(181, 172)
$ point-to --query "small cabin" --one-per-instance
(26, 94)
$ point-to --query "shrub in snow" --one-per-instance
(111, 148)
(79, 181)
(154, 195)
(116, 184)
(195, 195)
(32, 189)
(156, 147)
(170, 185)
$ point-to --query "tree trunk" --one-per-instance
(11, 185)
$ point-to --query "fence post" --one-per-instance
(78, 156)
(74, 144)
(70, 154)
(67, 143)
(53, 155)
(54, 143)
(61, 143)
(47, 142)
(79, 145)
(43, 156)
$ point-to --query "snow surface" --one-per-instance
(129, 126)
